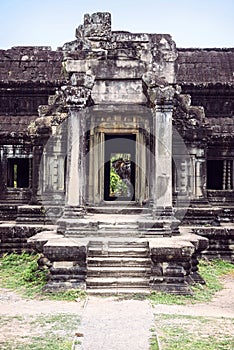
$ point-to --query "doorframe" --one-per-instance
(131, 150)
(96, 162)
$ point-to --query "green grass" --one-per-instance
(21, 273)
(178, 332)
(38, 343)
(56, 321)
(4, 320)
(211, 271)
(153, 340)
(68, 295)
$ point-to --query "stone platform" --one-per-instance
(120, 254)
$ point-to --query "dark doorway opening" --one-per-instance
(18, 172)
(214, 174)
(119, 170)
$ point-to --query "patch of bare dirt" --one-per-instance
(22, 319)
(222, 304)
(13, 304)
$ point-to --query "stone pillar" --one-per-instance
(232, 173)
(75, 184)
(198, 179)
(227, 175)
(3, 172)
(161, 101)
(37, 154)
(160, 95)
(199, 174)
(162, 187)
(183, 177)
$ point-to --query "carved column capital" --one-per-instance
(157, 90)
(78, 92)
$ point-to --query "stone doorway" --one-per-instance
(119, 170)
(123, 134)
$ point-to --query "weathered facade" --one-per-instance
(121, 145)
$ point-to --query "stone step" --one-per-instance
(119, 252)
(63, 285)
(80, 230)
(72, 209)
(118, 209)
(119, 224)
(118, 233)
(118, 243)
(118, 271)
(172, 288)
(8, 211)
(155, 234)
(75, 229)
(137, 244)
(91, 232)
(66, 277)
(200, 216)
(118, 261)
(30, 214)
(123, 282)
(119, 291)
(119, 246)
(65, 271)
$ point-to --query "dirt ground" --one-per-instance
(18, 315)
(222, 304)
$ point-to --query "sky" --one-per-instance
(192, 23)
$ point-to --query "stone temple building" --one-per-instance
(116, 158)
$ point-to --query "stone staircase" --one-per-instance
(118, 267)
(118, 229)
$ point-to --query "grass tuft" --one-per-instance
(153, 340)
(68, 295)
(21, 273)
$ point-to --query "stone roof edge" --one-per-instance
(16, 83)
(219, 49)
(180, 49)
(206, 84)
(32, 47)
